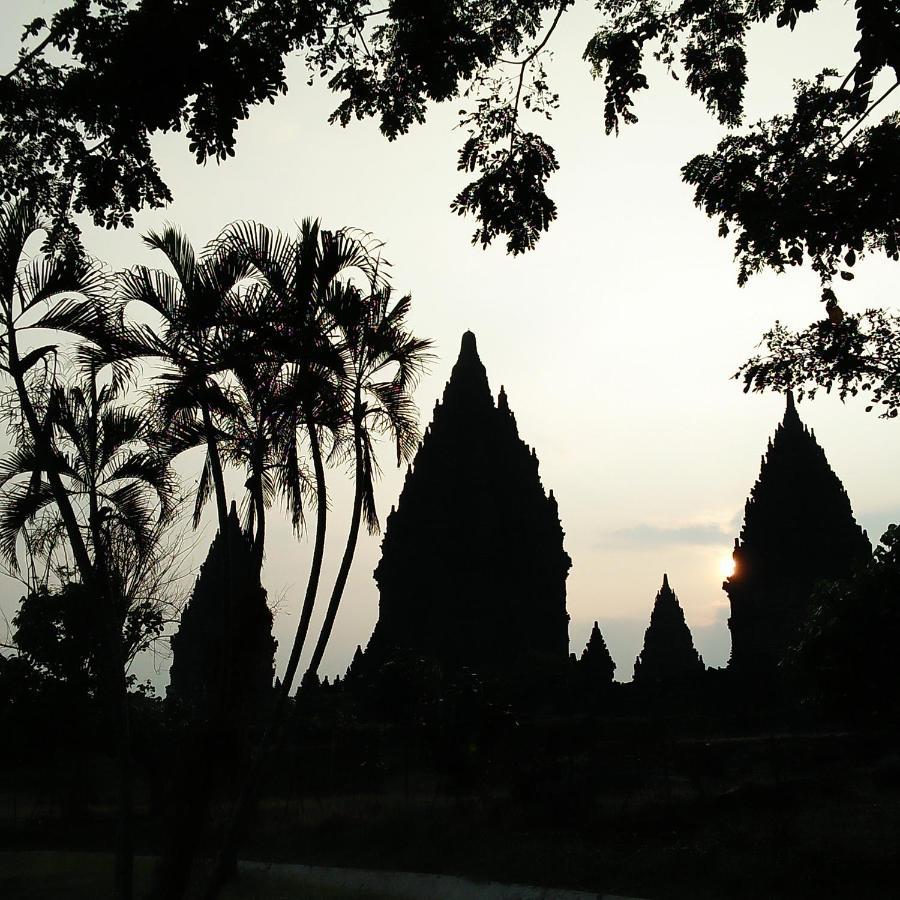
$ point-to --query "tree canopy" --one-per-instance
(78, 108)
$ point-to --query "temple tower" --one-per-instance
(473, 570)
(798, 528)
(668, 656)
(596, 663)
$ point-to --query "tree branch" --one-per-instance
(523, 64)
(863, 117)
(23, 60)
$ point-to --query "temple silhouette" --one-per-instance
(596, 663)
(668, 655)
(473, 570)
(798, 529)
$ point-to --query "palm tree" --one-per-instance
(71, 295)
(195, 342)
(257, 432)
(119, 493)
(383, 363)
(119, 488)
(302, 276)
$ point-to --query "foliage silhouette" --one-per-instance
(88, 150)
(852, 354)
(57, 633)
(195, 344)
(842, 648)
(74, 295)
(327, 330)
(113, 478)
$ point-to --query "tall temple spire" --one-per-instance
(798, 528)
(473, 568)
(668, 655)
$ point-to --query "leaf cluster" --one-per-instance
(75, 129)
(845, 649)
(851, 355)
(793, 188)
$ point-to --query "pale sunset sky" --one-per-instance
(615, 339)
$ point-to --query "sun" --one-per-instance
(726, 566)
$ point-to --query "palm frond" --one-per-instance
(204, 490)
(129, 504)
(368, 474)
(119, 426)
(146, 468)
(21, 460)
(98, 323)
(46, 277)
(18, 221)
(160, 291)
(19, 504)
(174, 243)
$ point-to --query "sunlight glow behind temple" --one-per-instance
(726, 566)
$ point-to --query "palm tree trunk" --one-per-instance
(259, 538)
(215, 468)
(343, 572)
(243, 807)
(315, 571)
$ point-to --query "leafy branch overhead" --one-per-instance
(76, 123)
(852, 355)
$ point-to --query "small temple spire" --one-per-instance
(596, 663)
(668, 655)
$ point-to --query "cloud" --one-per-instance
(703, 534)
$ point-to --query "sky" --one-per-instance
(616, 338)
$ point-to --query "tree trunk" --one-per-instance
(340, 581)
(312, 585)
(259, 502)
(44, 448)
(215, 467)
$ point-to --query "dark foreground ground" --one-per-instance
(625, 807)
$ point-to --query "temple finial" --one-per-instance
(790, 408)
